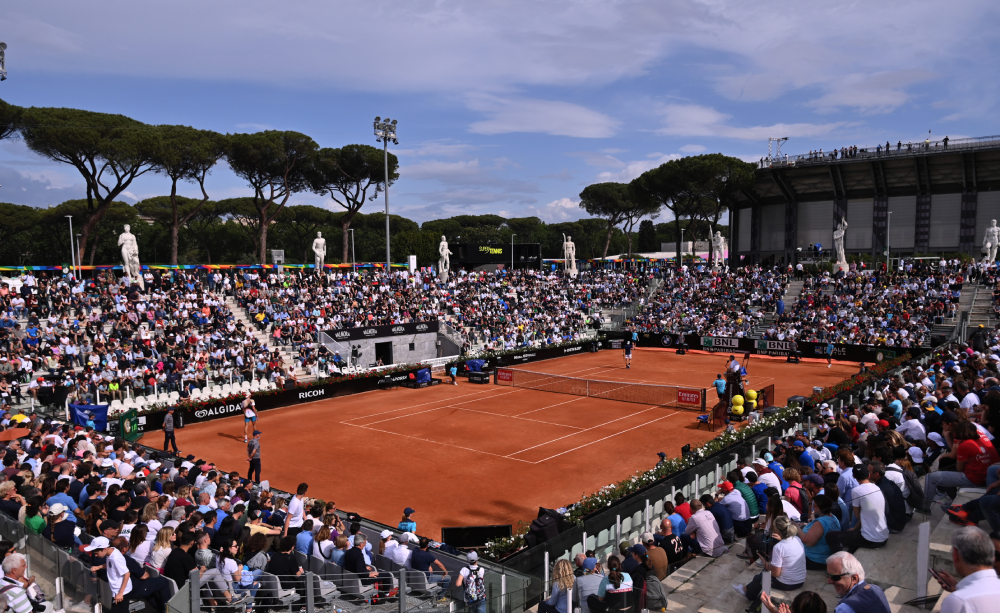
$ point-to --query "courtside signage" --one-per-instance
(720, 343)
(688, 396)
(505, 374)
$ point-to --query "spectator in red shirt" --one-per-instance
(972, 457)
(681, 507)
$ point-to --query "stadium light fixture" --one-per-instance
(385, 131)
(72, 255)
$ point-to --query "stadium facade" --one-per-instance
(942, 196)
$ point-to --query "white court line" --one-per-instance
(426, 440)
(586, 430)
(550, 406)
(537, 421)
(605, 438)
(416, 405)
(427, 411)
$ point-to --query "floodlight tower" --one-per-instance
(385, 131)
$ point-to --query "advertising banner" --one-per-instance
(689, 396)
(356, 334)
(128, 425)
(755, 346)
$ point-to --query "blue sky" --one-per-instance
(505, 107)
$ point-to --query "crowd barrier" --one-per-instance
(218, 408)
(757, 346)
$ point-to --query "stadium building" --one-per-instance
(941, 196)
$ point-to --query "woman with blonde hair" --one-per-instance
(787, 564)
(150, 518)
(562, 582)
(161, 548)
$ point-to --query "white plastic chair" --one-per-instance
(128, 403)
(115, 405)
(255, 386)
(245, 386)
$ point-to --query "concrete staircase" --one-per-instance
(792, 293)
(981, 312)
(288, 354)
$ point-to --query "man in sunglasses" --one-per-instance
(847, 575)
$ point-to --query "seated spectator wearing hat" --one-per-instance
(647, 590)
(787, 563)
(847, 575)
(657, 556)
(702, 534)
(739, 510)
(588, 583)
(868, 507)
(973, 457)
(765, 475)
(59, 529)
(723, 517)
(803, 454)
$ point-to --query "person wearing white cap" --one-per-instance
(119, 577)
(473, 578)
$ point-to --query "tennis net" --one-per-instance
(691, 398)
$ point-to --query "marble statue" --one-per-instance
(719, 248)
(990, 242)
(130, 256)
(838, 245)
(569, 255)
(444, 264)
(3, 62)
(319, 250)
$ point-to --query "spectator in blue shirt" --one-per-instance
(61, 497)
(304, 539)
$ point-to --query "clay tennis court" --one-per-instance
(483, 454)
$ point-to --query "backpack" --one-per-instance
(916, 497)
(804, 497)
(655, 596)
(475, 587)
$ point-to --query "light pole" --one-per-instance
(512, 252)
(72, 255)
(680, 254)
(354, 262)
(385, 131)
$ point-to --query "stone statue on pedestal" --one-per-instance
(444, 264)
(990, 243)
(569, 255)
(130, 257)
(319, 250)
(719, 248)
(838, 246)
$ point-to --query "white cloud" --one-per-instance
(507, 115)
(698, 120)
(692, 148)
(446, 148)
(442, 171)
(631, 170)
(562, 209)
(35, 189)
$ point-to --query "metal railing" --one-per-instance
(879, 151)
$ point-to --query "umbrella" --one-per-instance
(14, 433)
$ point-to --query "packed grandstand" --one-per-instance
(919, 445)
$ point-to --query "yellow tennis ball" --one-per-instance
(737, 400)
(751, 395)
(737, 410)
